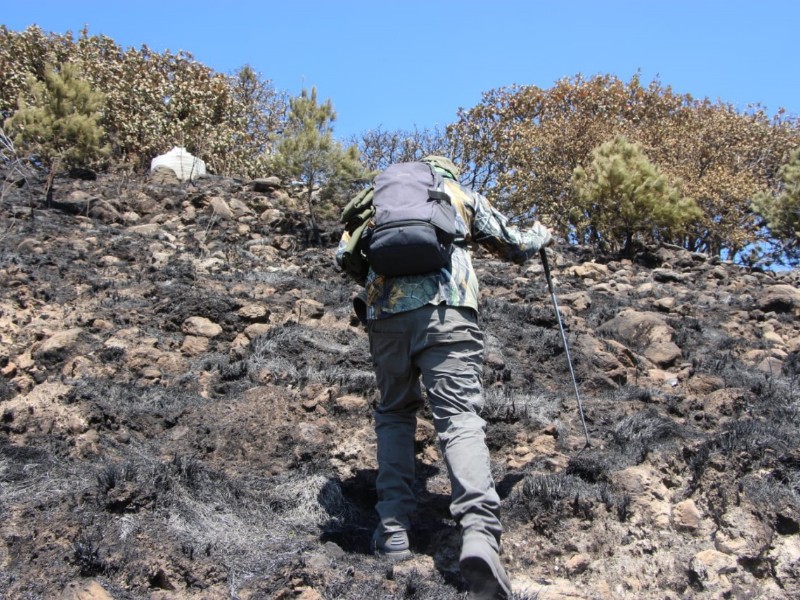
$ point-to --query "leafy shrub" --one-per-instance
(153, 101)
(61, 126)
(621, 196)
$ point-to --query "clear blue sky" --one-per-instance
(400, 64)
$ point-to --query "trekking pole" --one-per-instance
(546, 266)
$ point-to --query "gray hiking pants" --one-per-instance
(442, 346)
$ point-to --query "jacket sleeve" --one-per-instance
(491, 229)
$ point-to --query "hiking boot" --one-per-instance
(481, 567)
(392, 544)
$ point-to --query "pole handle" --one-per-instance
(546, 265)
(549, 279)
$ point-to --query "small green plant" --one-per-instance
(61, 127)
(781, 211)
(308, 152)
(621, 196)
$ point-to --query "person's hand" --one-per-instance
(551, 240)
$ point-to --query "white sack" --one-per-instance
(182, 162)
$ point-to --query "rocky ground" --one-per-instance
(186, 412)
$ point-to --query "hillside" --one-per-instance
(186, 412)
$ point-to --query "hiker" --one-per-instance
(424, 327)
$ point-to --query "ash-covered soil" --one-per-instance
(186, 408)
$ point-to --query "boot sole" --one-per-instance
(393, 556)
(484, 581)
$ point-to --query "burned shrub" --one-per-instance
(688, 331)
(6, 390)
(111, 355)
(146, 410)
(622, 506)
(87, 555)
(546, 499)
(507, 405)
(601, 312)
(181, 301)
(776, 493)
(543, 345)
(642, 432)
(233, 370)
(312, 501)
(547, 491)
(125, 488)
(755, 438)
(418, 586)
(111, 476)
(591, 466)
(791, 366)
(296, 354)
(757, 447)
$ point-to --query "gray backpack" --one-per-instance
(415, 222)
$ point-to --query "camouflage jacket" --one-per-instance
(478, 222)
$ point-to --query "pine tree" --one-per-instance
(309, 153)
(61, 128)
(622, 196)
(781, 211)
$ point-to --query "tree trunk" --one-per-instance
(48, 190)
(315, 233)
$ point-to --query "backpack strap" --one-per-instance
(440, 195)
(437, 191)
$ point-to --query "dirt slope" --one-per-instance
(186, 412)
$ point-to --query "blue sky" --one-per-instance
(401, 64)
